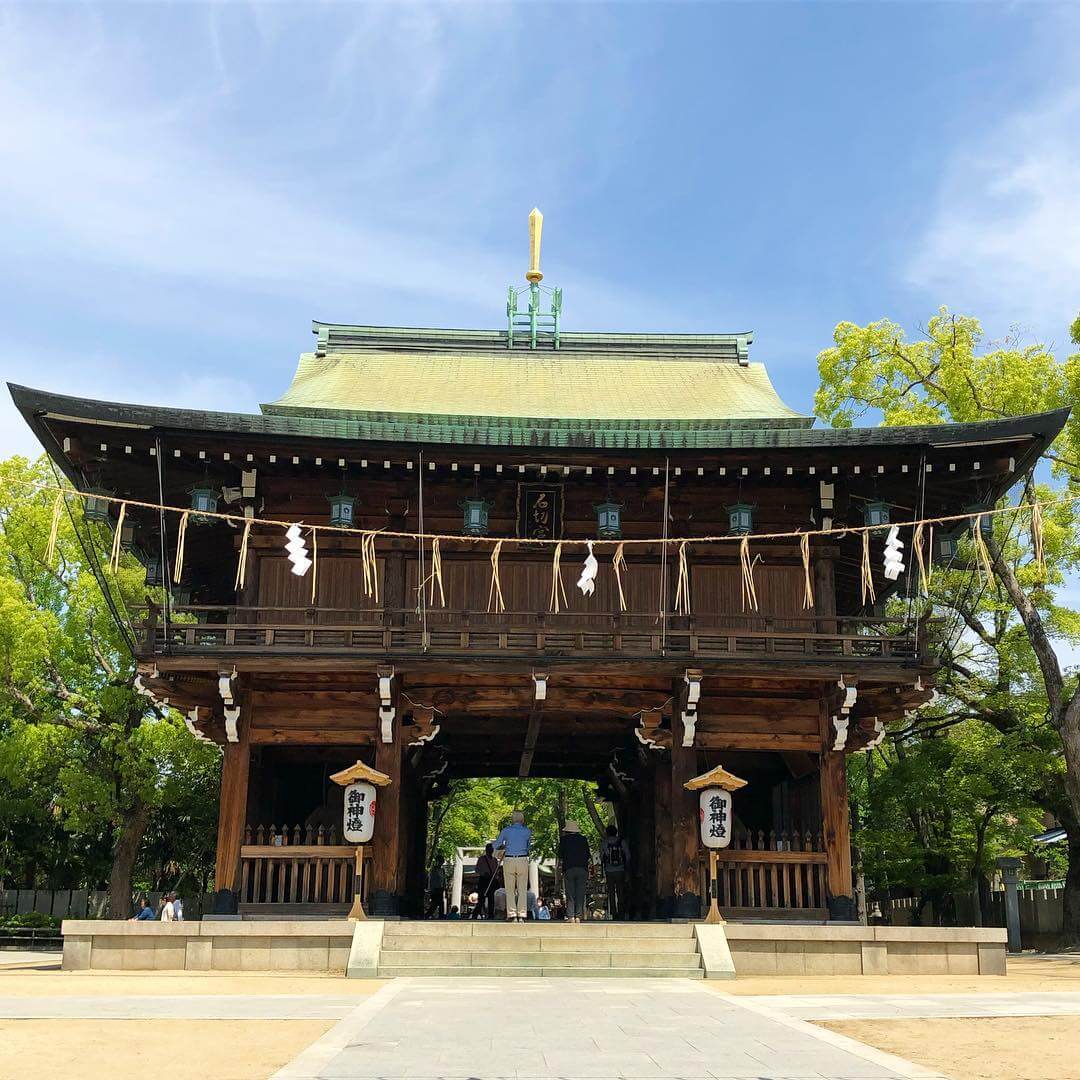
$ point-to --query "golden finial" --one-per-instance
(536, 225)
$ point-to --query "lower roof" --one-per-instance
(669, 433)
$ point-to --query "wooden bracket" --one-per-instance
(692, 678)
(387, 710)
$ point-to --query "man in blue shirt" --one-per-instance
(146, 913)
(514, 841)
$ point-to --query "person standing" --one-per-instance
(178, 907)
(514, 841)
(146, 912)
(487, 870)
(615, 857)
(574, 857)
(168, 912)
(436, 890)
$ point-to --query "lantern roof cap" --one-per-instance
(718, 777)
(355, 773)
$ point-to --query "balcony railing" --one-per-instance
(403, 632)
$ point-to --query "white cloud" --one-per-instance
(1003, 240)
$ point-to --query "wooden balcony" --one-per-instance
(386, 634)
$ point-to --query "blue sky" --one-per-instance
(183, 188)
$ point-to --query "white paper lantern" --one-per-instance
(717, 825)
(358, 824)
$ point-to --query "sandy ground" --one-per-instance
(1027, 974)
(178, 1049)
(998, 1048)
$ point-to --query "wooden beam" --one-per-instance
(532, 733)
(390, 843)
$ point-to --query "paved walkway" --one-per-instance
(581, 1028)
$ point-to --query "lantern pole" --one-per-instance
(715, 779)
(714, 915)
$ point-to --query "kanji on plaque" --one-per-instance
(714, 807)
(359, 824)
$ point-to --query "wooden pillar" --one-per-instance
(390, 843)
(665, 885)
(685, 825)
(825, 595)
(232, 814)
(836, 831)
(644, 854)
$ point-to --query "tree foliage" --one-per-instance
(88, 765)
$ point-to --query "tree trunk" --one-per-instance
(123, 861)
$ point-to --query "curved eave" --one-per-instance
(1037, 430)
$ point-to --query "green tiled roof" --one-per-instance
(467, 386)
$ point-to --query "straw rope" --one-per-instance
(682, 585)
(558, 589)
(117, 540)
(434, 579)
(746, 565)
(495, 596)
(618, 565)
(54, 528)
(726, 538)
(181, 540)
(982, 554)
(1038, 537)
(866, 571)
(925, 565)
(808, 583)
(369, 566)
(241, 562)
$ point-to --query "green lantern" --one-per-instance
(127, 534)
(608, 520)
(945, 548)
(96, 506)
(181, 595)
(740, 519)
(986, 522)
(204, 500)
(342, 509)
(876, 513)
(153, 577)
(475, 522)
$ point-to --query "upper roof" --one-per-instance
(438, 385)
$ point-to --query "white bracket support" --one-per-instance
(424, 738)
(191, 719)
(540, 683)
(232, 715)
(227, 687)
(851, 695)
(386, 705)
(692, 678)
(840, 726)
(879, 734)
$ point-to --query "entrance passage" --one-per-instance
(490, 949)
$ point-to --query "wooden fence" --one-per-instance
(770, 872)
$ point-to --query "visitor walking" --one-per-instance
(514, 841)
(574, 857)
(168, 912)
(487, 871)
(436, 890)
(178, 907)
(615, 857)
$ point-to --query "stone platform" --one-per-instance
(389, 949)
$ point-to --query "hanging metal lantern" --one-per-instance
(608, 520)
(876, 513)
(945, 547)
(204, 500)
(127, 534)
(153, 577)
(96, 505)
(986, 522)
(342, 509)
(740, 519)
(181, 595)
(475, 522)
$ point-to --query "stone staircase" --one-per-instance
(496, 949)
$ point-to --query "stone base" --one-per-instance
(775, 949)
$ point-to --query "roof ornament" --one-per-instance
(538, 322)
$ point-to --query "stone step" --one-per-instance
(545, 958)
(535, 943)
(390, 971)
(469, 928)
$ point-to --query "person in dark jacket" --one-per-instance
(574, 857)
(487, 871)
(615, 858)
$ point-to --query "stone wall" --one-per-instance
(772, 949)
(301, 945)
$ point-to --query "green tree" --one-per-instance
(1004, 663)
(109, 758)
